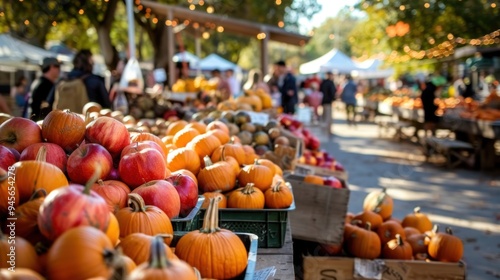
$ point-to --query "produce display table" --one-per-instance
(280, 259)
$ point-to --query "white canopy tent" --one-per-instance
(371, 69)
(17, 54)
(214, 61)
(334, 61)
(186, 56)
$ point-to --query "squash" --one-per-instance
(64, 128)
(314, 179)
(397, 249)
(261, 176)
(379, 202)
(363, 243)
(137, 246)
(445, 247)
(366, 217)
(216, 176)
(417, 220)
(224, 254)
(81, 253)
(222, 202)
(184, 158)
(278, 196)
(27, 218)
(160, 266)
(388, 230)
(247, 197)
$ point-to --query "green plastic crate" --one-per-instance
(268, 224)
(190, 222)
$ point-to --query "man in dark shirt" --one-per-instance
(329, 90)
(288, 87)
(51, 69)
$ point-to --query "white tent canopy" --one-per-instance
(371, 69)
(214, 61)
(18, 54)
(334, 61)
(186, 56)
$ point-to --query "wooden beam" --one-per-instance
(170, 51)
(264, 54)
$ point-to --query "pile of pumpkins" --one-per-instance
(374, 233)
(75, 219)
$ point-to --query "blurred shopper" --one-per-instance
(221, 85)
(287, 86)
(429, 94)
(51, 69)
(314, 100)
(255, 81)
(348, 96)
(329, 90)
(233, 82)
(20, 95)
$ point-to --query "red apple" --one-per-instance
(141, 146)
(187, 189)
(108, 132)
(320, 161)
(161, 194)
(7, 157)
(313, 143)
(332, 182)
(338, 166)
(19, 133)
(141, 166)
(55, 154)
(85, 160)
(113, 174)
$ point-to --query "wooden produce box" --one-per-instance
(305, 169)
(319, 211)
(353, 269)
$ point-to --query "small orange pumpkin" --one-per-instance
(25, 252)
(314, 179)
(27, 218)
(364, 243)
(139, 217)
(201, 127)
(278, 196)
(174, 127)
(247, 197)
(216, 176)
(418, 243)
(379, 202)
(409, 231)
(113, 230)
(397, 249)
(183, 158)
(417, 220)
(445, 247)
(160, 266)
(143, 136)
(183, 136)
(369, 217)
(137, 246)
(230, 149)
(204, 145)
(64, 128)
(261, 176)
(215, 194)
(388, 230)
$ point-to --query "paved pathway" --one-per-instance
(466, 200)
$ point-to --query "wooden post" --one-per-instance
(264, 54)
(197, 46)
(170, 51)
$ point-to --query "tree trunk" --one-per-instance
(108, 51)
(160, 48)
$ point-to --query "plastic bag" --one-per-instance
(120, 103)
(132, 75)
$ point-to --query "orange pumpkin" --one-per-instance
(278, 196)
(363, 243)
(64, 128)
(161, 267)
(174, 127)
(137, 246)
(314, 179)
(168, 140)
(224, 254)
(113, 230)
(379, 202)
(143, 218)
(261, 176)
(24, 253)
(230, 149)
(247, 197)
(204, 145)
(417, 220)
(6, 188)
(214, 125)
(348, 218)
(37, 174)
(216, 176)
(409, 231)
(269, 164)
(184, 158)
(368, 217)
(27, 218)
(222, 202)
(418, 243)
(388, 230)
(445, 247)
(223, 137)
(397, 249)
(81, 253)
(201, 127)
(129, 264)
(183, 136)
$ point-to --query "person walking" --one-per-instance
(329, 90)
(234, 83)
(19, 94)
(428, 96)
(51, 69)
(348, 96)
(287, 85)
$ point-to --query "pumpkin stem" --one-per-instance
(93, 179)
(110, 257)
(157, 258)
(207, 219)
(215, 214)
(416, 210)
(100, 182)
(198, 274)
(368, 226)
(207, 161)
(119, 267)
(223, 153)
(248, 189)
(136, 202)
(256, 162)
(449, 231)
(38, 193)
(380, 199)
(87, 118)
(42, 154)
(435, 228)
(399, 239)
(277, 186)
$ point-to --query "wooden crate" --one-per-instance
(352, 269)
(320, 211)
(305, 169)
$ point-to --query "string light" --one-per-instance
(196, 25)
(201, 2)
(261, 36)
(205, 35)
(1, 14)
(192, 7)
(155, 20)
(81, 11)
(168, 22)
(427, 5)
(281, 24)
(210, 9)
(278, 2)
(54, 23)
(27, 22)
(220, 29)
(331, 36)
